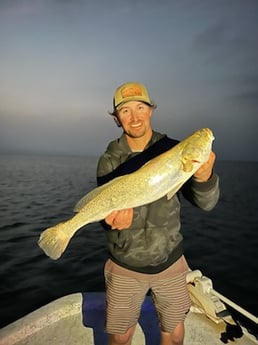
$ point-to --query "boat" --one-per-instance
(79, 319)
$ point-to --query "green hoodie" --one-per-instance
(153, 242)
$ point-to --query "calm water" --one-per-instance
(39, 191)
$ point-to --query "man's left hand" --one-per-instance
(205, 171)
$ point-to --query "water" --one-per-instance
(39, 191)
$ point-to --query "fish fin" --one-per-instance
(84, 200)
(187, 165)
(173, 191)
(92, 194)
(53, 241)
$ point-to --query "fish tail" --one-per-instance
(53, 241)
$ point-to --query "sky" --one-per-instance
(61, 61)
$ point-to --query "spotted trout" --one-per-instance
(160, 176)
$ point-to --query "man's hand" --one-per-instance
(205, 170)
(120, 220)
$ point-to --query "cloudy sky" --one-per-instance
(61, 60)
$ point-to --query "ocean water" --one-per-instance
(39, 191)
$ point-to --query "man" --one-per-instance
(145, 243)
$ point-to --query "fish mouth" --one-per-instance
(209, 132)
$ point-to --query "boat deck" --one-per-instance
(61, 322)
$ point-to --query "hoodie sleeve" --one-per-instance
(110, 159)
(204, 195)
(105, 165)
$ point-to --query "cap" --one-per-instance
(131, 91)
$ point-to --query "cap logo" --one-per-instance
(129, 91)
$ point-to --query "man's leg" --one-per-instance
(172, 302)
(174, 338)
(124, 297)
(122, 339)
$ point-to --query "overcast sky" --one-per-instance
(61, 60)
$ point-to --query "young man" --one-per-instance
(145, 243)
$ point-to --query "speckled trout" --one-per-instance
(162, 175)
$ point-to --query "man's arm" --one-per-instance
(202, 190)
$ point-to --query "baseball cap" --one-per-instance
(131, 91)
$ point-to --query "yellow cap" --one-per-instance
(131, 91)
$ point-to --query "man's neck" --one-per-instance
(138, 144)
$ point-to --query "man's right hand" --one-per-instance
(120, 220)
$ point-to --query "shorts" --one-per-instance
(126, 291)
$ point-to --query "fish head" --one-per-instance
(196, 149)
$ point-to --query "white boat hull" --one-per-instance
(61, 322)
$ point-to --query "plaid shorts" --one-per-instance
(126, 291)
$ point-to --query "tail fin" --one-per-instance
(53, 241)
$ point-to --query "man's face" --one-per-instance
(134, 116)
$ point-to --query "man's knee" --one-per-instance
(176, 337)
(178, 334)
(122, 339)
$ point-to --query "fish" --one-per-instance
(161, 176)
